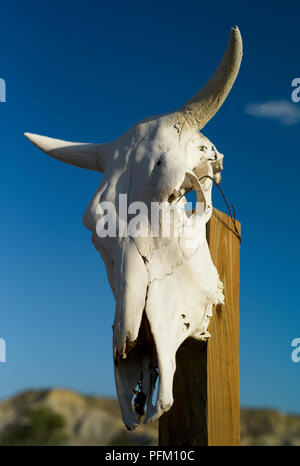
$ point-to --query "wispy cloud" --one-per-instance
(281, 110)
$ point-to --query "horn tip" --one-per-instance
(235, 30)
(42, 142)
(29, 136)
(236, 37)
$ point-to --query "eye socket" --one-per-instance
(158, 163)
(203, 148)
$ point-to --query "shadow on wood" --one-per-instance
(206, 408)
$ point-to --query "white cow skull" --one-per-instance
(164, 286)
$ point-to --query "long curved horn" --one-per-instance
(203, 106)
(90, 156)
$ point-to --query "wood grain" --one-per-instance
(223, 384)
(206, 408)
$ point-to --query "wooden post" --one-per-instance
(206, 408)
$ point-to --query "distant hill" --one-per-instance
(92, 420)
(89, 420)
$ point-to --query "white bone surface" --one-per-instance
(164, 287)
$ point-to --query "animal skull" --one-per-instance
(164, 285)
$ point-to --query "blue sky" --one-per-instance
(86, 71)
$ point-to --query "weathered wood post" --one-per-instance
(206, 408)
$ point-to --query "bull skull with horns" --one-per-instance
(164, 287)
